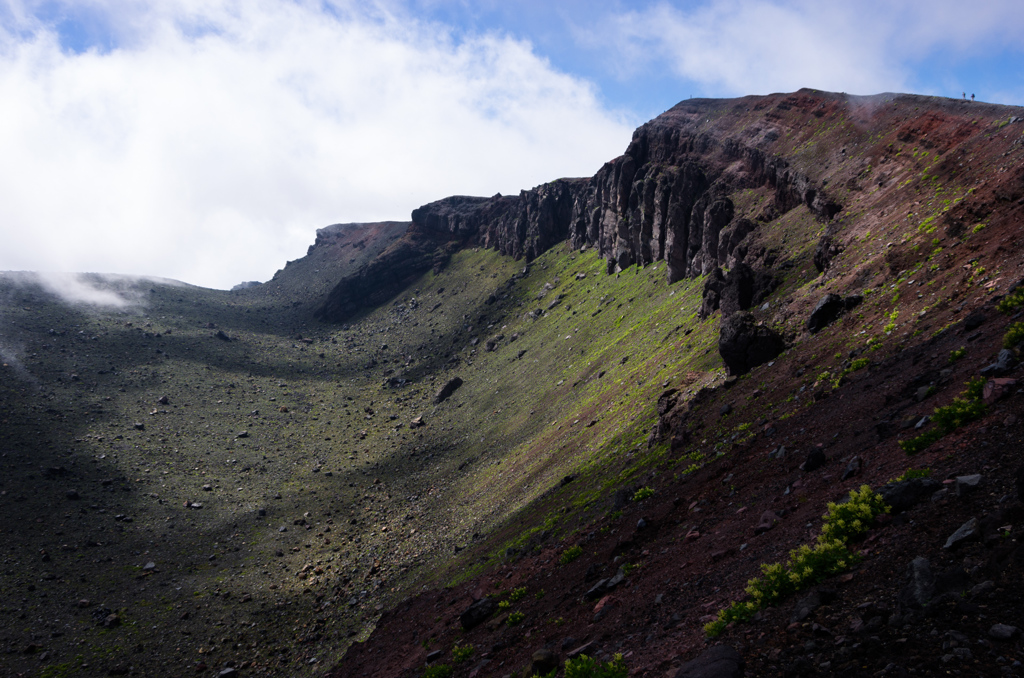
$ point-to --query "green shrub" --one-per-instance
(461, 653)
(571, 554)
(808, 565)
(921, 442)
(517, 594)
(1014, 335)
(504, 605)
(847, 521)
(1012, 301)
(585, 667)
(643, 493)
(965, 408)
(438, 671)
(912, 473)
(515, 618)
(957, 354)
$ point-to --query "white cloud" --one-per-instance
(213, 139)
(738, 47)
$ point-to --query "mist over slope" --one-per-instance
(259, 478)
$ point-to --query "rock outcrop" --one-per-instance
(744, 344)
(828, 310)
(737, 290)
(668, 197)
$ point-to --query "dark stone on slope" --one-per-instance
(544, 661)
(477, 613)
(815, 460)
(920, 588)
(828, 310)
(974, 321)
(737, 290)
(852, 469)
(446, 391)
(828, 248)
(720, 661)
(744, 344)
(1004, 363)
(906, 493)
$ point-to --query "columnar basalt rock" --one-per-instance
(668, 197)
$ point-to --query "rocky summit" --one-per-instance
(745, 402)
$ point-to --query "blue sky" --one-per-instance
(206, 140)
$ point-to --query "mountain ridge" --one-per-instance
(667, 372)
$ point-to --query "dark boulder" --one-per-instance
(477, 613)
(446, 391)
(921, 585)
(720, 661)
(828, 310)
(829, 247)
(544, 661)
(1004, 363)
(974, 321)
(744, 344)
(904, 494)
(815, 460)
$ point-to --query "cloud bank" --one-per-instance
(207, 141)
(739, 47)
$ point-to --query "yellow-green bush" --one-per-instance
(807, 564)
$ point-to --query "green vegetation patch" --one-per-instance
(964, 409)
(808, 565)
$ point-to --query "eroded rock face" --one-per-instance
(666, 198)
(744, 344)
(737, 290)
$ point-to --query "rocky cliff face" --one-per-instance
(671, 196)
(668, 196)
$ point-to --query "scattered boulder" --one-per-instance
(720, 661)
(969, 531)
(477, 613)
(967, 484)
(853, 468)
(446, 391)
(1005, 362)
(606, 586)
(815, 460)
(974, 321)
(996, 389)
(544, 662)
(921, 588)
(222, 336)
(808, 604)
(744, 344)
(828, 310)
(768, 520)
(1003, 632)
(904, 494)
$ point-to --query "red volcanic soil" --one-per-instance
(699, 548)
(691, 548)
